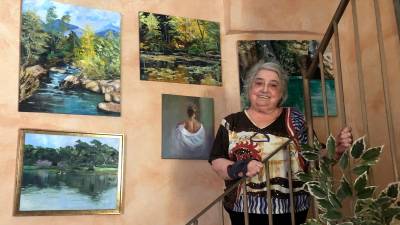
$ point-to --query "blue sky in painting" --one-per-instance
(80, 16)
(56, 141)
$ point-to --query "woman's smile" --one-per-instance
(264, 97)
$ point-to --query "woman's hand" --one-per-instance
(343, 141)
(254, 167)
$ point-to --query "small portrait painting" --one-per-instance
(188, 127)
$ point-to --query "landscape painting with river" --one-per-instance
(179, 50)
(70, 59)
(63, 172)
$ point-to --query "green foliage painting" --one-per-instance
(70, 59)
(63, 172)
(179, 50)
(286, 53)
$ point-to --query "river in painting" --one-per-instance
(51, 98)
(44, 189)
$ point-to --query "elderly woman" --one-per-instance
(247, 137)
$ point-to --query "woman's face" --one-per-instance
(265, 91)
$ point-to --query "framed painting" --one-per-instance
(179, 50)
(286, 53)
(396, 4)
(68, 173)
(69, 59)
(187, 127)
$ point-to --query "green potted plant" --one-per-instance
(370, 208)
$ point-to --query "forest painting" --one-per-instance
(68, 173)
(187, 127)
(69, 60)
(286, 53)
(179, 50)
(397, 12)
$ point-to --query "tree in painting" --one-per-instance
(81, 155)
(70, 59)
(179, 50)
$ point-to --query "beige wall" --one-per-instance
(377, 125)
(172, 191)
(279, 16)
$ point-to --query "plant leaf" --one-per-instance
(393, 190)
(389, 213)
(367, 192)
(316, 191)
(346, 223)
(325, 168)
(358, 147)
(331, 147)
(333, 215)
(324, 204)
(371, 155)
(305, 177)
(344, 189)
(360, 169)
(322, 217)
(307, 148)
(362, 204)
(384, 202)
(361, 182)
(312, 222)
(310, 156)
(334, 200)
(314, 172)
(344, 161)
(317, 144)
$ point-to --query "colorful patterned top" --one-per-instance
(238, 138)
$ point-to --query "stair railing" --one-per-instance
(194, 220)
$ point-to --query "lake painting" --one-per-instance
(286, 53)
(69, 59)
(187, 127)
(68, 173)
(179, 50)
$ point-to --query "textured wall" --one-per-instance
(300, 16)
(372, 73)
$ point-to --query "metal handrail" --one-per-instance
(194, 220)
(327, 37)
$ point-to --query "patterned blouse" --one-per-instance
(238, 138)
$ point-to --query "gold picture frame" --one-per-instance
(68, 173)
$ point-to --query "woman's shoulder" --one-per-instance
(295, 118)
(235, 116)
(294, 113)
(232, 119)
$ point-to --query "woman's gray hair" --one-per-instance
(270, 66)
